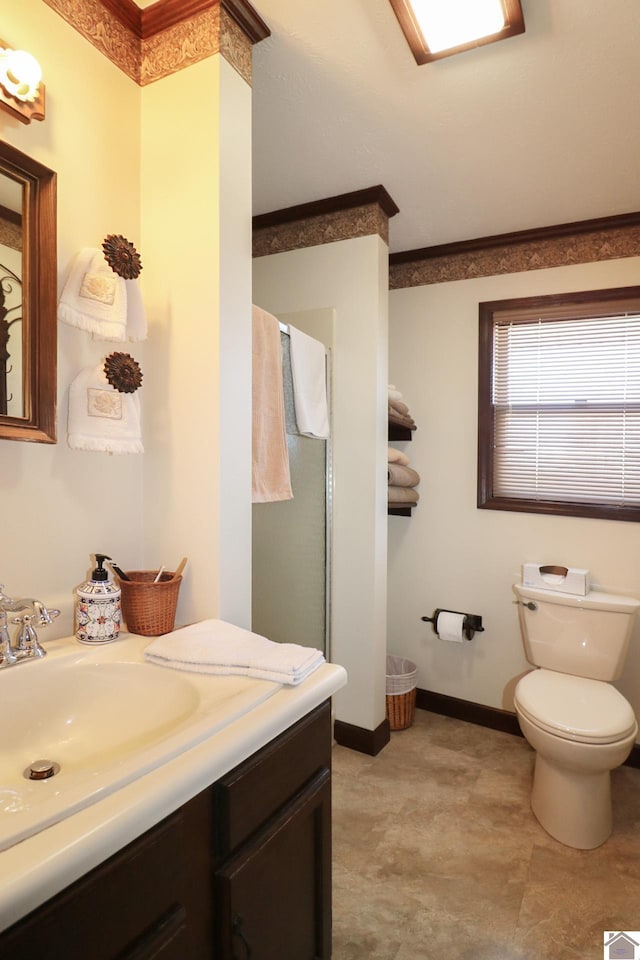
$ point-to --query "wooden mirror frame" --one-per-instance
(39, 291)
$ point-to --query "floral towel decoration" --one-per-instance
(122, 256)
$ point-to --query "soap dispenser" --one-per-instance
(98, 607)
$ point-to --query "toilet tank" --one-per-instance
(584, 636)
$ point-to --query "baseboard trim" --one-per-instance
(484, 716)
(370, 742)
(467, 710)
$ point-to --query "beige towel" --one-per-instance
(397, 456)
(400, 475)
(402, 495)
(399, 406)
(271, 479)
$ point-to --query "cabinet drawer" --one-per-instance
(248, 796)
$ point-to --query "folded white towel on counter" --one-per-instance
(218, 647)
(308, 368)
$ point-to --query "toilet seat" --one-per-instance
(574, 708)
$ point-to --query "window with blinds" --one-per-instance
(559, 404)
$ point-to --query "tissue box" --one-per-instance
(558, 578)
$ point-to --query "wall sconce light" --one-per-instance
(439, 28)
(22, 92)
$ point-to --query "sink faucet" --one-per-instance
(25, 613)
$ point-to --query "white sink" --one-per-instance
(106, 717)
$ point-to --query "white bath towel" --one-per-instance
(94, 298)
(101, 418)
(218, 647)
(308, 367)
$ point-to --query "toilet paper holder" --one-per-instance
(471, 624)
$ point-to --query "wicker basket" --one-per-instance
(401, 709)
(149, 608)
(401, 692)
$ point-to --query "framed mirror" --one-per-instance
(28, 288)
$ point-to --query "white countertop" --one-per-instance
(38, 867)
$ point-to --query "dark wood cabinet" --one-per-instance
(242, 870)
(274, 896)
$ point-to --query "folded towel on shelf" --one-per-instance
(271, 476)
(394, 393)
(397, 456)
(402, 419)
(218, 647)
(402, 495)
(400, 475)
(399, 406)
(308, 368)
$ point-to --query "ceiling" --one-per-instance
(539, 129)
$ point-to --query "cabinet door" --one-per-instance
(150, 901)
(274, 895)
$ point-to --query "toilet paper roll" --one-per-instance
(449, 626)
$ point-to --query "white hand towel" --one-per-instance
(136, 316)
(308, 368)
(218, 647)
(101, 418)
(94, 298)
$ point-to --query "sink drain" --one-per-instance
(41, 770)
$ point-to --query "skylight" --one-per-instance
(440, 28)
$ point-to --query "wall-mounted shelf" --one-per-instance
(396, 432)
(396, 511)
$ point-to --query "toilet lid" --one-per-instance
(590, 711)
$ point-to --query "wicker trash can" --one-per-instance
(148, 608)
(401, 692)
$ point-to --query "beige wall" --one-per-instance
(352, 276)
(197, 241)
(146, 164)
(452, 555)
(60, 505)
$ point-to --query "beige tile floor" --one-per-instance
(437, 854)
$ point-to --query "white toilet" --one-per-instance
(580, 726)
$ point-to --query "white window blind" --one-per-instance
(566, 409)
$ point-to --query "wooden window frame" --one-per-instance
(570, 305)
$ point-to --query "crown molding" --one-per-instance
(360, 213)
(563, 244)
(165, 14)
(169, 35)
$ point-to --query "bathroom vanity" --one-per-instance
(238, 866)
